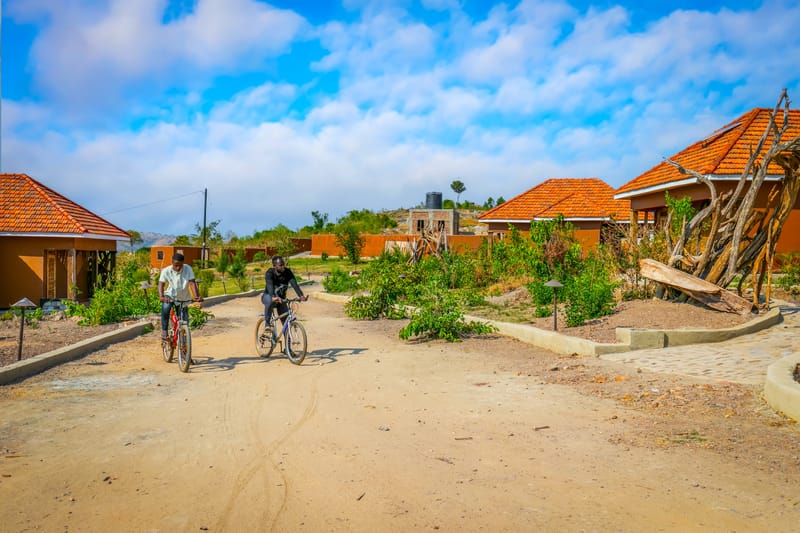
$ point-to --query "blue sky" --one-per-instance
(132, 108)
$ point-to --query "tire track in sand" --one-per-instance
(265, 466)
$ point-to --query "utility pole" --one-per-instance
(204, 252)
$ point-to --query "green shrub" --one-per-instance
(364, 308)
(388, 281)
(206, 277)
(790, 268)
(121, 299)
(339, 281)
(198, 317)
(590, 294)
(440, 315)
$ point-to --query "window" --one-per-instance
(160, 255)
(420, 226)
(440, 225)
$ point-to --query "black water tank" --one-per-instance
(433, 200)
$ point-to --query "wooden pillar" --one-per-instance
(72, 273)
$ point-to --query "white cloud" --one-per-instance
(91, 54)
(534, 90)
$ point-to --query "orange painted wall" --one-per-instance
(191, 255)
(375, 244)
(22, 265)
(789, 240)
(587, 233)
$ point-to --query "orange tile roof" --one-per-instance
(27, 206)
(724, 153)
(575, 198)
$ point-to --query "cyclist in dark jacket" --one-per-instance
(278, 279)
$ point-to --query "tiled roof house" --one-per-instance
(50, 247)
(587, 203)
(722, 156)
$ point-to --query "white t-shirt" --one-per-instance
(178, 282)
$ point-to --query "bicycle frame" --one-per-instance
(286, 319)
(175, 322)
(179, 335)
(291, 332)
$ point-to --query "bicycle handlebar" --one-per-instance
(176, 301)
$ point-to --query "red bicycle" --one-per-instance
(179, 335)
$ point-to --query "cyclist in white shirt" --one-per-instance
(182, 286)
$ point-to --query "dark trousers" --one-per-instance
(269, 305)
(165, 315)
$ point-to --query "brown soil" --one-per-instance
(52, 332)
(375, 434)
(515, 306)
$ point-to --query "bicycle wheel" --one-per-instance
(264, 338)
(167, 348)
(296, 343)
(184, 348)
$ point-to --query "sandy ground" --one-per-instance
(374, 434)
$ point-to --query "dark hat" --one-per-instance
(278, 260)
(177, 257)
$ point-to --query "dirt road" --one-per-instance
(370, 434)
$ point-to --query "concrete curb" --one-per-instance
(781, 391)
(214, 300)
(639, 339)
(41, 362)
(629, 339)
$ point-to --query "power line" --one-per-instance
(151, 203)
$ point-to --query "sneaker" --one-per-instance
(164, 336)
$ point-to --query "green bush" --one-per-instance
(198, 317)
(440, 315)
(339, 281)
(590, 294)
(388, 281)
(790, 270)
(206, 277)
(121, 299)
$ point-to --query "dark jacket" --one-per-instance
(278, 283)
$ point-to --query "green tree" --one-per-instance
(136, 238)
(489, 203)
(222, 267)
(366, 221)
(238, 270)
(213, 236)
(320, 220)
(350, 239)
(458, 187)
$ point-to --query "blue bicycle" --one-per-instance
(284, 329)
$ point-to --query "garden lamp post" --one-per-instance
(555, 284)
(144, 285)
(22, 304)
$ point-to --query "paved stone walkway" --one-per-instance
(740, 360)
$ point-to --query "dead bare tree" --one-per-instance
(741, 238)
